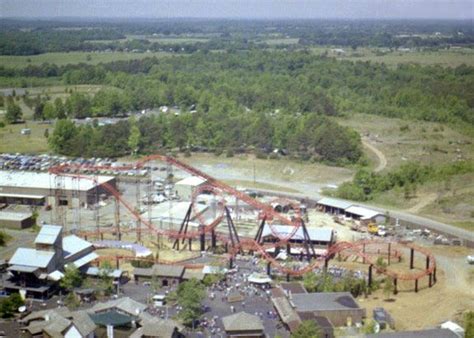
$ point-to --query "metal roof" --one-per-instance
(192, 181)
(48, 234)
(125, 304)
(31, 257)
(315, 234)
(335, 203)
(324, 301)
(73, 245)
(94, 271)
(14, 216)
(85, 259)
(28, 179)
(362, 212)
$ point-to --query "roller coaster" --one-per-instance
(367, 250)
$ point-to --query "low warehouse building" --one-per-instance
(24, 187)
(165, 274)
(243, 324)
(365, 214)
(340, 308)
(333, 206)
(14, 220)
(186, 187)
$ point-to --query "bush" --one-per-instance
(229, 153)
(261, 155)
(218, 152)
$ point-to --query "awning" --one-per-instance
(55, 275)
(23, 268)
(259, 279)
(85, 260)
(31, 197)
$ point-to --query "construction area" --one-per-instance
(177, 218)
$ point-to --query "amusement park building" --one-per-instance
(186, 187)
(33, 188)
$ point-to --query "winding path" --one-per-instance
(381, 157)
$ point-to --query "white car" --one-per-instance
(470, 259)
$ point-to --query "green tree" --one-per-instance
(62, 139)
(9, 305)
(388, 287)
(49, 111)
(13, 113)
(190, 295)
(72, 278)
(106, 281)
(307, 329)
(135, 136)
(4, 238)
(59, 108)
(469, 324)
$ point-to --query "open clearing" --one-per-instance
(11, 141)
(444, 57)
(291, 176)
(62, 59)
(427, 143)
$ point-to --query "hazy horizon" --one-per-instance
(243, 9)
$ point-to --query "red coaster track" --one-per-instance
(266, 211)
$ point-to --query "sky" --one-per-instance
(250, 9)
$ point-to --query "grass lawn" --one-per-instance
(11, 141)
(61, 59)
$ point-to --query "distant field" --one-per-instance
(72, 58)
(426, 142)
(11, 141)
(445, 58)
(280, 41)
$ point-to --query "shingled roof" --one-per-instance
(242, 321)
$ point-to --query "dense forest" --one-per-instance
(235, 94)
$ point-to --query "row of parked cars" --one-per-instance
(43, 162)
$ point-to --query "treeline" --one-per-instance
(310, 136)
(37, 41)
(366, 184)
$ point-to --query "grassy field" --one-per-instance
(11, 141)
(73, 58)
(430, 144)
(445, 58)
(404, 141)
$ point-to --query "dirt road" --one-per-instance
(380, 156)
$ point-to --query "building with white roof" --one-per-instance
(37, 270)
(16, 220)
(318, 236)
(365, 214)
(26, 187)
(333, 205)
(186, 187)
